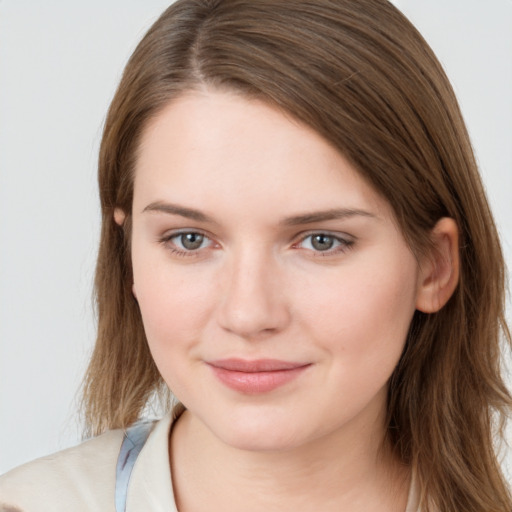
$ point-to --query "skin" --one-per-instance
(257, 186)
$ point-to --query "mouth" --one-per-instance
(256, 376)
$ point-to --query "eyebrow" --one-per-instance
(182, 211)
(322, 216)
(306, 218)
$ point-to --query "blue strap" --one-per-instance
(134, 439)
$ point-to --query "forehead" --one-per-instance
(211, 145)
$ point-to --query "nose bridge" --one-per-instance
(253, 300)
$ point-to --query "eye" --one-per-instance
(186, 242)
(190, 241)
(324, 242)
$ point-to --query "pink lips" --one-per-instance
(258, 376)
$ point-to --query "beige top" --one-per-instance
(83, 478)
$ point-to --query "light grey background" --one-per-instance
(60, 62)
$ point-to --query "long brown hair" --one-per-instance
(362, 76)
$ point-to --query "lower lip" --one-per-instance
(257, 382)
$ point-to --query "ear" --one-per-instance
(119, 216)
(439, 269)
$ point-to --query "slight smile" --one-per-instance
(257, 376)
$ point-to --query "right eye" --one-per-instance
(190, 241)
(186, 243)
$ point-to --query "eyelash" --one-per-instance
(341, 245)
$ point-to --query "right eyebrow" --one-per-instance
(175, 209)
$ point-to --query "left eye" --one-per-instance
(323, 242)
(190, 241)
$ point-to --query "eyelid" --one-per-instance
(169, 233)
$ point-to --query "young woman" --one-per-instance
(296, 243)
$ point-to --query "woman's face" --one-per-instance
(275, 287)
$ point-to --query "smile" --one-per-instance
(258, 376)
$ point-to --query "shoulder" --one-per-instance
(79, 478)
(128, 468)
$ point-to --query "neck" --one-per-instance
(353, 469)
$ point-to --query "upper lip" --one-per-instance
(256, 365)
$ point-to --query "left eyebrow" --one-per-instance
(322, 216)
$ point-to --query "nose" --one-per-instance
(253, 303)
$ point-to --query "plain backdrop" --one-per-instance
(60, 62)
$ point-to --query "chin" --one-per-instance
(259, 434)
(262, 442)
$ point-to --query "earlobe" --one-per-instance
(439, 272)
(119, 216)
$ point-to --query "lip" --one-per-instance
(256, 376)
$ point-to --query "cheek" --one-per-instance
(361, 328)
(363, 314)
(174, 312)
(174, 301)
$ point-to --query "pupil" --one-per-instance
(322, 242)
(192, 241)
